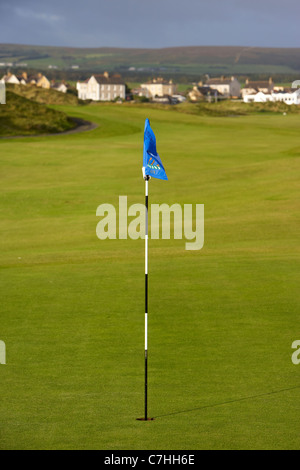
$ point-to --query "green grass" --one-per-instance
(22, 116)
(222, 320)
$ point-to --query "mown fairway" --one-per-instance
(222, 320)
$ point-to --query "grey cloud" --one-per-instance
(158, 23)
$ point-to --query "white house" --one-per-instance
(228, 87)
(62, 87)
(10, 78)
(39, 80)
(288, 97)
(259, 97)
(291, 96)
(102, 88)
(158, 87)
(253, 87)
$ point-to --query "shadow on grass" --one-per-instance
(252, 397)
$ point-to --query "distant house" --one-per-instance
(259, 97)
(158, 87)
(202, 92)
(141, 92)
(10, 78)
(254, 87)
(23, 78)
(228, 87)
(61, 87)
(287, 96)
(102, 88)
(40, 81)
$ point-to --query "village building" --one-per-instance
(228, 87)
(158, 87)
(61, 87)
(102, 88)
(202, 92)
(10, 78)
(253, 87)
(39, 80)
(141, 92)
(23, 78)
(287, 96)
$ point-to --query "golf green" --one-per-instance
(222, 320)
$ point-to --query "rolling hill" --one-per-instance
(189, 60)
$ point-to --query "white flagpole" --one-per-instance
(146, 298)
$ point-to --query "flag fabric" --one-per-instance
(152, 164)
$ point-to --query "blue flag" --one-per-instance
(152, 164)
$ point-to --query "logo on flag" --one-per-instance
(152, 164)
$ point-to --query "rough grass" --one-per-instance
(21, 116)
(226, 108)
(43, 95)
(236, 108)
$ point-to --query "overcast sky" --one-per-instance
(152, 23)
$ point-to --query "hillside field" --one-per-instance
(221, 320)
(194, 60)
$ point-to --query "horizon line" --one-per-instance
(151, 48)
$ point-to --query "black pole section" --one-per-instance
(146, 385)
